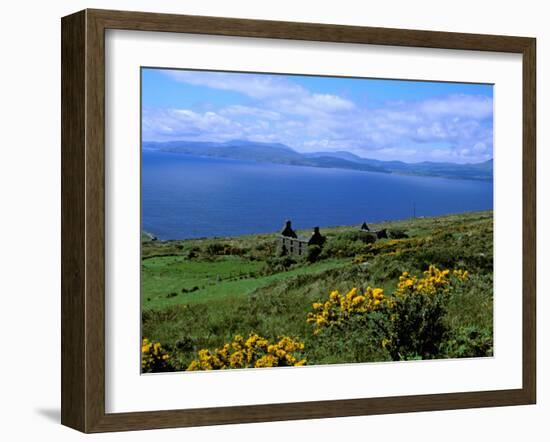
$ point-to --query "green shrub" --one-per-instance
(229, 249)
(417, 327)
(409, 324)
(342, 248)
(358, 340)
(397, 234)
(469, 342)
(214, 248)
(279, 264)
(313, 253)
(357, 235)
(193, 252)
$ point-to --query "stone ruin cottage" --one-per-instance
(376, 233)
(289, 243)
(292, 244)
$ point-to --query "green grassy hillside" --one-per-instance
(199, 294)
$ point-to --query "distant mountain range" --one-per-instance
(280, 154)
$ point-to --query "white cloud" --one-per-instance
(328, 102)
(459, 106)
(173, 124)
(451, 128)
(256, 112)
(275, 92)
(255, 86)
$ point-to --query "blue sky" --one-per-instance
(384, 119)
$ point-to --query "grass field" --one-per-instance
(198, 294)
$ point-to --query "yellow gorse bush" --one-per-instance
(338, 308)
(255, 351)
(153, 356)
(420, 300)
(433, 280)
(461, 275)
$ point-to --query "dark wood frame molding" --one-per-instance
(83, 216)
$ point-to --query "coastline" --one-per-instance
(388, 224)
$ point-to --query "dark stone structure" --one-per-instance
(287, 231)
(291, 244)
(378, 233)
(316, 238)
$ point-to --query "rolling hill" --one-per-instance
(280, 154)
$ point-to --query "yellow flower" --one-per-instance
(337, 309)
(280, 353)
(153, 357)
(236, 359)
(255, 351)
(351, 294)
(266, 361)
(462, 275)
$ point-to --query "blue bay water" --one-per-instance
(192, 197)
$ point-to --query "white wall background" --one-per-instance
(30, 217)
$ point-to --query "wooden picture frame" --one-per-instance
(83, 219)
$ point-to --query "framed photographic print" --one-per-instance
(269, 220)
